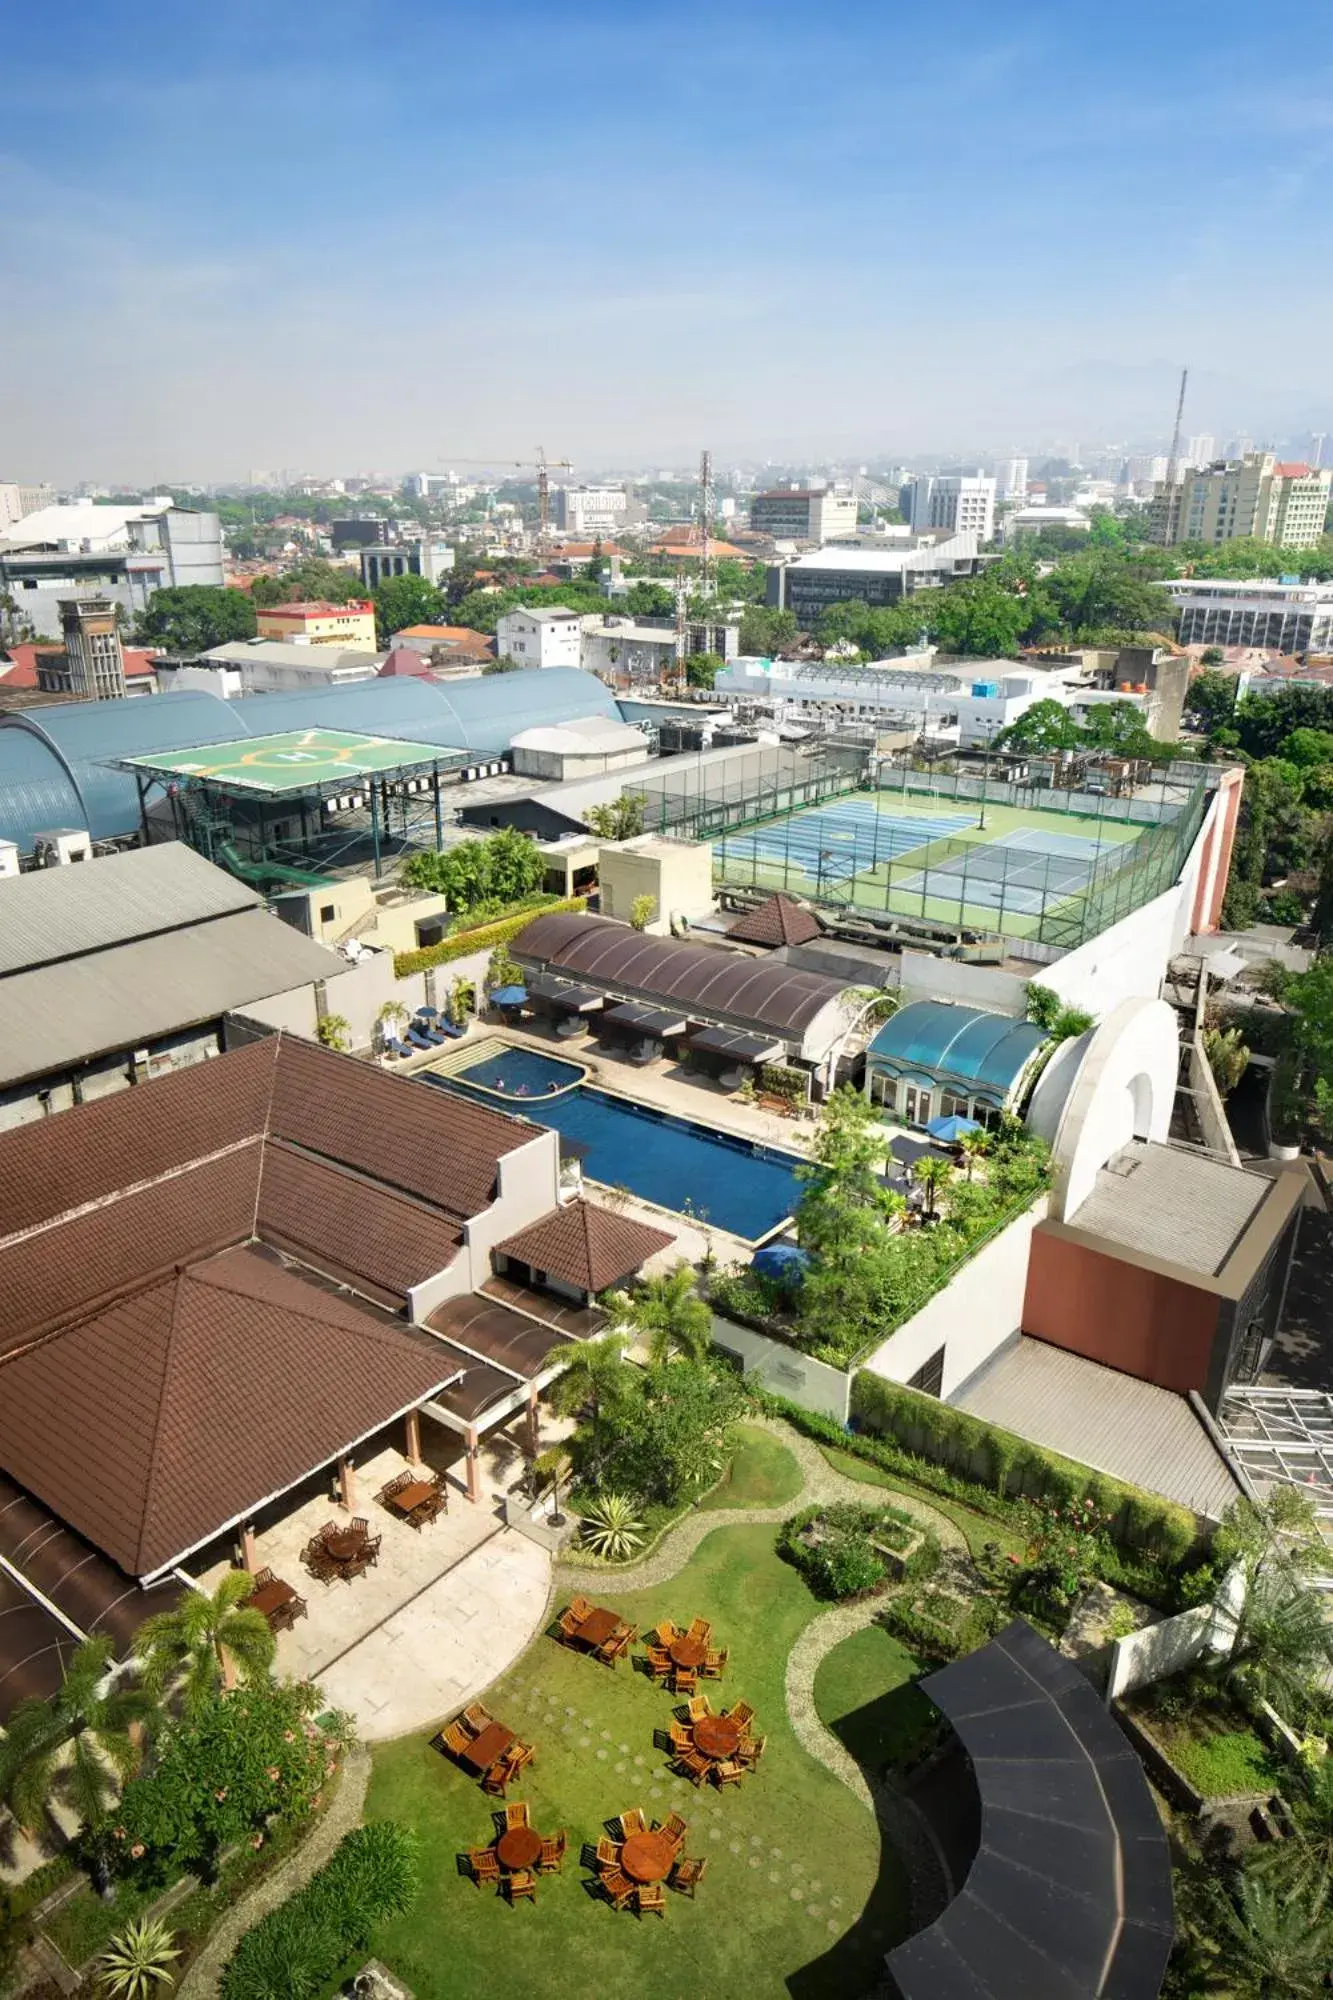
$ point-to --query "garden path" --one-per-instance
(201, 1980)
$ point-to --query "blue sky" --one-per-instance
(347, 237)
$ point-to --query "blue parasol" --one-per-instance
(783, 1263)
(950, 1130)
(509, 996)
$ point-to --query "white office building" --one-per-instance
(547, 637)
(1014, 483)
(957, 503)
(969, 703)
(584, 512)
(1258, 612)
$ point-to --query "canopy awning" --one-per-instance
(645, 1020)
(737, 1046)
(556, 993)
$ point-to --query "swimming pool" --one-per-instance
(736, 1184)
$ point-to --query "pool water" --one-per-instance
(514, 1072)
(735, 1184)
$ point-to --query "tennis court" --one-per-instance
(1027, 871)
(834, 843)
(297, 760)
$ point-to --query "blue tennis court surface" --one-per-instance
(1027, 871)
(833, 843)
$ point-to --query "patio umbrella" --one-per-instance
(784, 1263)
(509, 996)
(429, 1013)
(950, 1130)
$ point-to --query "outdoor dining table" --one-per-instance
(688, 1652)
(519, 1847)
(344, 1543)
(648, 1857)
(716, 1736)
(271, 1598)
(488, 1748)
(408, 1498)
(599, 1626)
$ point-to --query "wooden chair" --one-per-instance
(617, 1888)
(553, 1853)
(608, 1852)
(361, 1526)
(370, 1553)
(484, 1865)
(665, 1632)
(495, 1780)
(392, 1486)
(751, 1750)
(687, 1680)
(519, 1755)
(455, 1738)
(740, 1711)
(700, 1629)
(319, 1562)
(675, 1829)
(260, 1579)
(652, 1900)
(680, 1735)
(477, 1718)
(700, 1706)
(579, 1608)
(659, 1663)
(728, 1772)
(516, 1815)
(714, 1663)
(569, 1627)
(632, 1822)
(687, 1874)
(695, 1767)
(522, 1883)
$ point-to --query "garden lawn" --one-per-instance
(865, 1693)
(798, 1898)
(762, 1473)
(977, 1528)
(1216, 1759)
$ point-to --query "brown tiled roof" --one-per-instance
(781, 920)
(430, 1143)
(153, 1425)
(492, 1333)
(350, 1226)
(60, 1163)
(74, 1267)
(585, 1245)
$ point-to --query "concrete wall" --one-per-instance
(22, 1105)
(677, 874)
(1172, 1644)
(974, 1316)
(1208, 1106)
(1124, 1089)
(925, 977)
(529, 1186)
(785, 1371)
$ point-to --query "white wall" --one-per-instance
(529, 1187)
(1125, 1089)
(785, 1371)
(925, 977)
(974, 1315)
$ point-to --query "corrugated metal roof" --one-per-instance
(990, 1050)
(1166, 1202)
(1118, 1425)
(59, 913)
(64, 1014)
(705, 981)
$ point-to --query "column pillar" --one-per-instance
(472, 1445)
(249, 1549)
(347, 1484)
(412, 1445)
(532, 1441)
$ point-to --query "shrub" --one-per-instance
(610, 1527)
(138, 1961)
(298, 1949)
(843, 1561)
(405, 963)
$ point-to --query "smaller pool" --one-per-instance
(516, 1073)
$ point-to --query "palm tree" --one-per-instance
(596, 1378)
(1275, 1943)
(78, 1746)
(974, 1146)
(670, 1315)
(209, 1641)
(932, 1172)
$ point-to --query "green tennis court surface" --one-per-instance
(297, 760)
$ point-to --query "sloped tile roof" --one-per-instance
(152, 1425)
(781, 920)
(350, 1226)
(586, 1245)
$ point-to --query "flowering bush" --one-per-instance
(1069, 1549)
(249, 1758)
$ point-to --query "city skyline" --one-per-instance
(238, 242)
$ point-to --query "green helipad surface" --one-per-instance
(295, 761)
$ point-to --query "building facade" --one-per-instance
(96, 666)
(955, 502)
(592, 510)
(796, 514)
(1283, 617)
(810, 584)
(431, 559)
(549, 636)
(124, 553)
(1257, 496)
(350, 626)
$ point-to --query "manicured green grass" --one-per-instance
(762, 1473)
(977, 1528)
(865, 1693)
(798, 1899)
(1216, 1759)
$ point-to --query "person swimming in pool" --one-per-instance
(499, 1083)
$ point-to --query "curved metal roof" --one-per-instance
(990, 1050)
(700, 978)
(1070, 1892)
(56, 763)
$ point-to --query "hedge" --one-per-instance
(484, 938)
(298, 1949)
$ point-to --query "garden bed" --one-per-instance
(1210, 1745)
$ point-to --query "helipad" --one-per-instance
(298, 760)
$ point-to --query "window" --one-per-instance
(929, 1377)
(328, 912)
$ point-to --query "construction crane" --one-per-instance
(1171, 517)
(543, 467)
(705, 518)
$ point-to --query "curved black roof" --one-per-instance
(701, 978)
(1070, 1893)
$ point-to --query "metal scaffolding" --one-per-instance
(1283, 1437)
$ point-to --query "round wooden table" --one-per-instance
(687, 1652)
(647, 1857)
(343, 1545)
(717, 1736)
(518, 1847)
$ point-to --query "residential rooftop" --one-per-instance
(1174, 1204)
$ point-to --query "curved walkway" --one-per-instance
(201, 1980)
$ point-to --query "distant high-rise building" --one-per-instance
(957, 503)
(1014, 484)
(584, 511)
(96, 665)
(1200, 450)
(1256, 496)
(801, 514)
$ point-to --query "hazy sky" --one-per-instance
(345, 237)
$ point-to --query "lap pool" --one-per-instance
(735, 1184)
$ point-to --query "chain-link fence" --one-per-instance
(696, 801)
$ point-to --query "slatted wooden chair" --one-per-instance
(700, 1629)
(455, 1738)
(632, 1822)
(694, 1767)
(700, 1706)
(608, 1852)
(687, 1874)
(617, 1888)
(665, 1632)
(521, 1885)
(484, 1866)
(569, 1627)
(728, 1772)
(495, 1780)
(553, 1853)
(477, 1718)
(519, 1755)
(715, 1663)
(751, 1750)
(318, 1561)
(659, 1663)
(680, 1735)
(579, 1608)
(686, 1680)
(652, 1900)
(516, 1815)
(675, 1829)
(740, 1711)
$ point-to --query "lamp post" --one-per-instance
(990, 728)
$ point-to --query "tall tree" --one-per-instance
(209, 1641)
(190, 617)
(401, 601)
(597, 1382)
(667, 1312)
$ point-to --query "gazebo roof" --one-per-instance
(585, 1245)
(781, 920)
